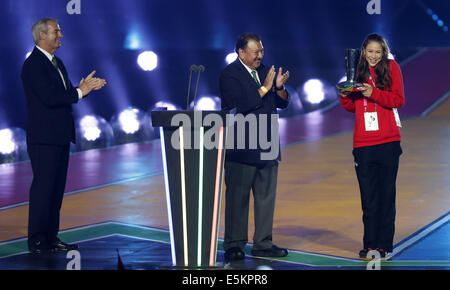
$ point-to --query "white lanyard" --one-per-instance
(394, 110)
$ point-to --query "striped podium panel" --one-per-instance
(193, 152)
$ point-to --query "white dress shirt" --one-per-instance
(250, 70)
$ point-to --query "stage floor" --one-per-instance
(318, 213)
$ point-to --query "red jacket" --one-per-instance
(382, 101)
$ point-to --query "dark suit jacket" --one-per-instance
(239, 90)
(49, 104)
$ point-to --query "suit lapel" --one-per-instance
(49, 66)
(63, 71)
(246, 75)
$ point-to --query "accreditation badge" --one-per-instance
(371, 121)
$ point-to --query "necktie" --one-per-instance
(55, 62)
(255, 78)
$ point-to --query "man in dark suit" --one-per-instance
(245, 169)
(50, 129)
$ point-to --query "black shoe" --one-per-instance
(274, 251)
(37, 247)
(60, 246)
(363, 254)
(384, 255)
(234, 254)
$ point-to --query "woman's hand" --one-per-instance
(366, 90)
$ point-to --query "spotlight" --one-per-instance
(93, 132)
(313, 90)
(317, 93)
(207, 103)
(89, 126)
(131, 125)
(147, 60)
(128, 120)
(231, 57)
(13, 146)
(7, 145)
(132, 40)
(165, 104)
(439, 22)
(161, 104)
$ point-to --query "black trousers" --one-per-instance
(49, 164)
(240, 179)
(376, 168)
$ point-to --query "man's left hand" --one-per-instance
(281, 78)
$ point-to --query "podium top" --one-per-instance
(165, 118)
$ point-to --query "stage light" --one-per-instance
(207, 103)
(317, 94)
(165, 104)
(313, 90)
(132, 41)
(131, 125)
(128, 120)
(89, 127)
(93, 132)
(439, 22)
(155, 134)
(147, 60)
(231, 57)
(7, 145)
(13, 146)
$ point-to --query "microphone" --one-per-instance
(201, 69)
(192, 69)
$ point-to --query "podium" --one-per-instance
(193, 154)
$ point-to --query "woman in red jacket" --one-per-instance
(376, 141)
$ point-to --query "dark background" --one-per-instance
(306, 37)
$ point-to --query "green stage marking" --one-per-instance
(101, 230)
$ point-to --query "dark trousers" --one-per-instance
(376, 168)
(240, 179)
(49, 164)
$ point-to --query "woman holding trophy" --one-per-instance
(373, 94)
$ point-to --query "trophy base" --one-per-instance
(348, 86)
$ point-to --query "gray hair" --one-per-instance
(40, 25)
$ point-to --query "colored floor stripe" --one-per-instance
(419, 235)
(19, 246)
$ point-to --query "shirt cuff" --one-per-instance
(80, 94)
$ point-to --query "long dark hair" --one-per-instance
(384, 79)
